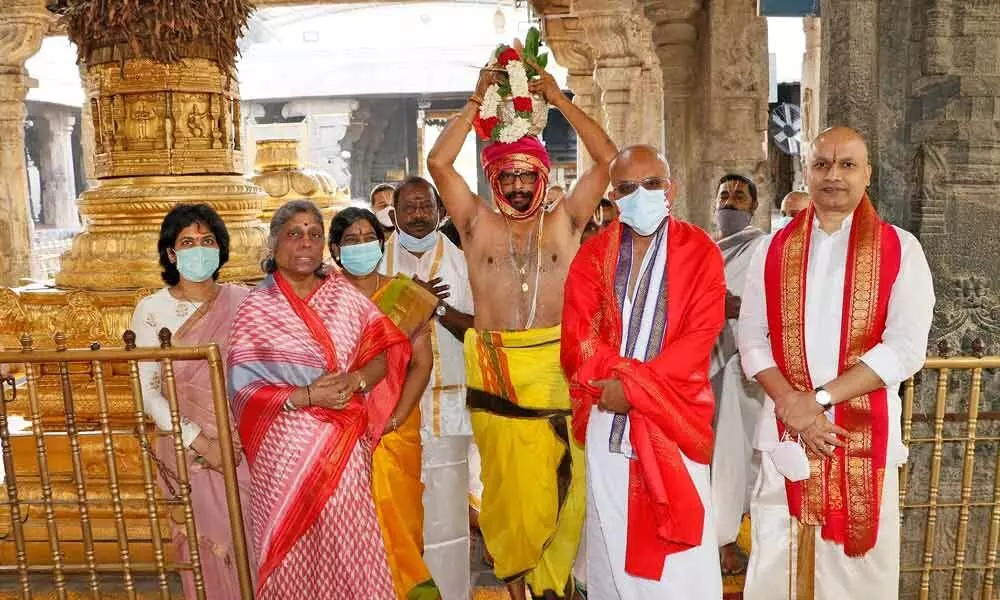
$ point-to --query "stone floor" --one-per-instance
(487, 587)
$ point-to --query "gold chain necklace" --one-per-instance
(523, 268)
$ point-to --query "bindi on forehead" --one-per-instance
(303, 220)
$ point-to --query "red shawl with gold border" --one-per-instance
(671, 397)
(842, 494)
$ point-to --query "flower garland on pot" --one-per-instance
(508, 111)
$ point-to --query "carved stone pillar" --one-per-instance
(850, 34)
(22, 26)
(675, 36)
(564, 36)
(626, 69)
(57, 173)
(733, 107)
(811, 74)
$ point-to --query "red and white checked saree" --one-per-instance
(314, 523)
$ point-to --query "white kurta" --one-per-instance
(900, 354)
(450, 457)
(690, 575)
(154, 312)
(737, 403)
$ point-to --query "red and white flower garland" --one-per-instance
(508, 112)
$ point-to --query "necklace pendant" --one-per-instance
(524, 287)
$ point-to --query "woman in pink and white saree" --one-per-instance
(315, 370)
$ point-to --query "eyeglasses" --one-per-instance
(650, 183)
(525, 177)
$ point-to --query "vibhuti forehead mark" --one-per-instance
(731, 186)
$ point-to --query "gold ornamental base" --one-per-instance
(112, 265)
(117, 250)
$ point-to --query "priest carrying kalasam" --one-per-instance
(518, 256)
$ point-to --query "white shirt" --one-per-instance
(153, 313)
(443, 403)
(898, 356)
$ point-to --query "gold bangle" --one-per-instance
(476, 99)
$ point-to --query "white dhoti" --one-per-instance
(734, 462)
(446, 477)
(693, 574)
(737, 404)
(771, 574)
(450, 457)
(773, 559)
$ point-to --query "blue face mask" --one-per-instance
(361, 259)
(417, 245)
(782, 223)
(197, 264)
(644, 210)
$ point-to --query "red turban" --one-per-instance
(526, 154)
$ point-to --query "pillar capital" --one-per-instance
(663, 11)
(61, 121)
(626, 69)
(23, 25)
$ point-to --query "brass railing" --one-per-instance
(950, 501)
(85, 493)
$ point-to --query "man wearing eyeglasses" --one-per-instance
(738, 401)
(518, 256)
(645, 301)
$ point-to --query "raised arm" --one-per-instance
(582, 200)
(461, 202)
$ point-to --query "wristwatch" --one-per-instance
(823, 397)
(441, 310)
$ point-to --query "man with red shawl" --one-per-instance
(645, 302)
(518, 256)
(836, 313)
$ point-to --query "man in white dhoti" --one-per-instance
(738, 401)
(836, 313)
(643, 307)
(450, 459)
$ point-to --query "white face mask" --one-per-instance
(384, 217)
(644, 210)
(790, 460)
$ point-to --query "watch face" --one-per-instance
(440, 310)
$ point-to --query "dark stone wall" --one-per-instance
(921, 80)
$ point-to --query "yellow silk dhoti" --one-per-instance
(534, 493)
(396, 464)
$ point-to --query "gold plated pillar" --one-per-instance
(163, 134)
